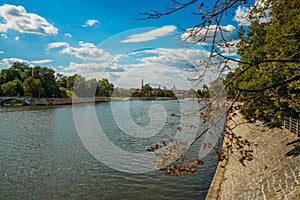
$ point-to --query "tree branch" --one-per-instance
(294, 78)
(156, 14)
(256, 64)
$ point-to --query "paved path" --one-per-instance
(273, 174)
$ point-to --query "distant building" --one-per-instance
(173, 93)
(180, 94)
(153, 89)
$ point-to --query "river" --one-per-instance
(43, 157)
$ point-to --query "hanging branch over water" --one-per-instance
(264, 54)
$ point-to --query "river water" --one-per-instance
(42, 157)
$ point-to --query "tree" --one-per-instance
(70, 81)
(122, 92)
(15, 72)
(48, 80)
(190, 93)
(92, 87)
(61, 80)
(80, 87)
(12, 88)
(105, 88)
(271, 87)
(33, 87)
(204, 92)
(10, 74)
(268, 75)
(146, 91)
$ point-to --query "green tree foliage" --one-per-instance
(92, 85)
(61, 80)
(48, 80)
(70, 81)
(33, 87)
(122, 92)
(203, 93)
(12, 88)
(267, 79)
(16, 71)
(22, 80)
(105, 88)
(149, 92)
(190, 93)
(268, 74)
(80, 87)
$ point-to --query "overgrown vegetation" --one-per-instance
(22, 80)
(267, 77)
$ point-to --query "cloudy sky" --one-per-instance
(98, 38)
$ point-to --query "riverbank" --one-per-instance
(20, 101)
(274, 173)
(66, 101)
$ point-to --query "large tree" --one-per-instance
(268, 72)
(105, 88)
(33, 87)
(267, 77)
(12, 88)
(48, 80)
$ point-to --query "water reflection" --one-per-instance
(42, 157)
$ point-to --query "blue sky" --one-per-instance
(102, 39)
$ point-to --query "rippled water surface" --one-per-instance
(42, 157)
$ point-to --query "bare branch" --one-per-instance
(156, 14)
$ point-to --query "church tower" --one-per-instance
(142, 84)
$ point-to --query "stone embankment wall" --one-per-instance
(65, 101)
(274, 173)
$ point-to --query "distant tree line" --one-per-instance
(148, 91)
(23, 80)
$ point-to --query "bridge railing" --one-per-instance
(25, 100)
(292, 124)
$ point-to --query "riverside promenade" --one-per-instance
(273, 174)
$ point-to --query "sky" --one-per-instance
(105, 39)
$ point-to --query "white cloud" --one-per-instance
(86, 67)
(10, 61)
(88, 70)
(242, 13)
(17, 38)
(91, 22)
(41, 61)
(195, 34)
(242, 16)
(161, 66)
(1, 52)
(55, 45)
(156, 75)
(150, 35)
(4, 36)
(87, 51)
(68, 35)
(18, 19)
(175, 57)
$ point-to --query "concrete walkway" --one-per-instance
(274, 173)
